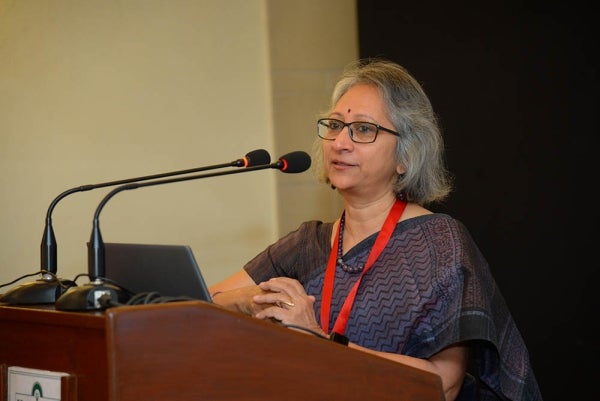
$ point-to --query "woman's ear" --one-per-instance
(400, 170)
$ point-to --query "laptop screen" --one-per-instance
(169, 270)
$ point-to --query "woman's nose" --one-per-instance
(344, 137)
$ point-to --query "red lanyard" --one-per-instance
(380, 243)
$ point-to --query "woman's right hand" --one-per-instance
(241, 299)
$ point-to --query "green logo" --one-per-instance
(36, 391)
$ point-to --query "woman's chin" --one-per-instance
(340, 185)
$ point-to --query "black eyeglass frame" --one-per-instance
(350, 131)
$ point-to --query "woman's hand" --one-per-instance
(285, 300)
(240, 299)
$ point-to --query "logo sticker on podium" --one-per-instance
(26, 384)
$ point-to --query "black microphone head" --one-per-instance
(258, 157)
(255, 158)
(293, 162)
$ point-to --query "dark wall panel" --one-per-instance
(516, 88)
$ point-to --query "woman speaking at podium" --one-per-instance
(389, 276)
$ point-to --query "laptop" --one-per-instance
(169, 270)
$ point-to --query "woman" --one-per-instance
(389, 276)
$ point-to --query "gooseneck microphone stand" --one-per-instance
(48, 288)
(88, 296)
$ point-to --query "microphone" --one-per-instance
(88, 296)
(48, 288)
(293, 162)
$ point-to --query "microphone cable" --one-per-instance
(143, 298)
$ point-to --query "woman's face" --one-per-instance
(364, 169)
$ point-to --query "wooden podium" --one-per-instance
(195, 350)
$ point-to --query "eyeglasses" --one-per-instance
(360, 131)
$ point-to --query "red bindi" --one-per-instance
(349, 110)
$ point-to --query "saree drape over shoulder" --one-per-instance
(430, 288)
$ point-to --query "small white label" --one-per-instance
(26, 384)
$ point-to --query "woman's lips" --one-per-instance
(341, 164)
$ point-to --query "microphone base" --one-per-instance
(87, 297)
(42, 291)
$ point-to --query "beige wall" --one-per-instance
(101, 90)
(307, 55)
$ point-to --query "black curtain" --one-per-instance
(515, 85)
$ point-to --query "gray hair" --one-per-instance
(420, 147)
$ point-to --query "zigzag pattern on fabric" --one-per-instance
(395, 292)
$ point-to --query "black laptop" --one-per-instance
(169, 270)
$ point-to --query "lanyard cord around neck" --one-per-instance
(380, 243)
